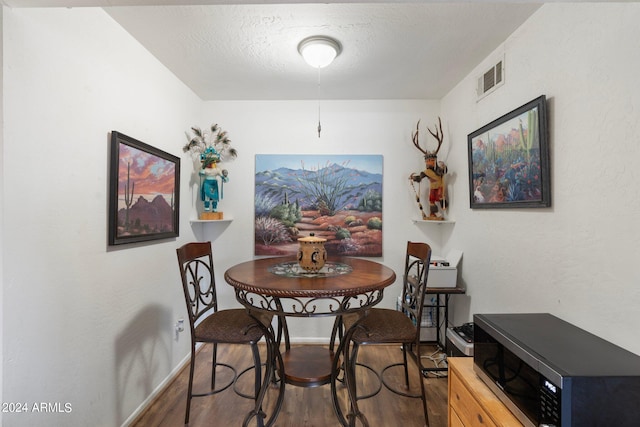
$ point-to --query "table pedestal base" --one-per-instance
(307, 366)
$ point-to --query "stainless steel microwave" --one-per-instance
(552, 373)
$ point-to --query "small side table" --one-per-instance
(442, 302)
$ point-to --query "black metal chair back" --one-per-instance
(416, 272)
(198, 280)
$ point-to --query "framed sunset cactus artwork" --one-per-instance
(333, 197)
(144, 192)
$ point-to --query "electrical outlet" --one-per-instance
(180, 325)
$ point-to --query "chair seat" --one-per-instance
(382, 326)
(232, 326)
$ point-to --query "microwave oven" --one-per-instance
(549, 372)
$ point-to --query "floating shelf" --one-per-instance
(209, 221)
(426, 221)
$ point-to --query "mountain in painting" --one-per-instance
(301, 185)
(152, 217)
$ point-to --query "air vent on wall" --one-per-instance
(490, 80)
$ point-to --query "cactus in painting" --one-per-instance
(128, 196)
(527, 140)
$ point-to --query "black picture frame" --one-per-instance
(144, 192)
(509, 164)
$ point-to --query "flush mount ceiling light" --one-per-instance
(319, 51)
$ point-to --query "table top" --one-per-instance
(278, 277)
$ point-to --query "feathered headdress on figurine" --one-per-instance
(209, 147)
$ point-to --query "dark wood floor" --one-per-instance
(302, 406)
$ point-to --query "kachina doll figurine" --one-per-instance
(211, 149)
(212, 179)
(435, 172)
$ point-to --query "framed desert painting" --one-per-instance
(509, 160)
(144, 192)
(335, 197)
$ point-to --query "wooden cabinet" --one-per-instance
(471, 403)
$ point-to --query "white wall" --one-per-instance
(1, 207)
(577, 259)
(83, 323)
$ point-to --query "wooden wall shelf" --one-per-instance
(210, 221)
(425, 221)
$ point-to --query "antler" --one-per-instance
(414, 137)
(439, 135)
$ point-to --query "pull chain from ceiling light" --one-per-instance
(319, 125)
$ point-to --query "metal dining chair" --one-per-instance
(387, 326)
(212, 326)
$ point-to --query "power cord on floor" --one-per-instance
(439, 360)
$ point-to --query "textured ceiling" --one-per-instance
(396, 50)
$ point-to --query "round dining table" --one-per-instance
(280, 287)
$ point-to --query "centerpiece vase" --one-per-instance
(312, 254)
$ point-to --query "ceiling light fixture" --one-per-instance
(319, 51)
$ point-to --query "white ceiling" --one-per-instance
(395, 50)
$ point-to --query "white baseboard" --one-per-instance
(158, 390)
(310, 340)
